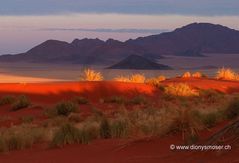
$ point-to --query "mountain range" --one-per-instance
(194, 39)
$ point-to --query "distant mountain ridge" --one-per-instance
(191, 40)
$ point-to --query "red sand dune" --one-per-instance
(108, 151)
(204, 83)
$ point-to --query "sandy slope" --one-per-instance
(113, 150)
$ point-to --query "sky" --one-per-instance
(26, 23)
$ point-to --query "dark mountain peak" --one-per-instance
(112, 41)
(202, 27)
(138, 63)
(76, 41)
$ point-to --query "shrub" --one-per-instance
(5, 100)
(105, 129)
(187, 122)
(211, 96)
(81, 100)
(180, 89)
(119, 128)
(197, 75)
(20, 103)
(91, 75)
(65, 108)
(67, 134)
(156, 81)
(226, 74)
(209, 120)
(137, 78)
(20, 137)
(115, 99)
(138, 100)
(232, 111)
(186, 75)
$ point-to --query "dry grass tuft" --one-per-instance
(186, 75)
(197, 75)
(227, 74)
(91, 75)
(180, 89)
(135, 78)
(156, 81)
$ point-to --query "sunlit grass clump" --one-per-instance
(135, 78)
(227, 74)
(180, 89)
(186, 75)
(91, 75)
(197, 75)
(156, 81)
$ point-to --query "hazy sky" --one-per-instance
(26, 23)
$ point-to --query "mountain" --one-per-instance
(194, 39)
(138, 63)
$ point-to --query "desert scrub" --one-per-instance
(105, 131)
(187, 122)
(211, 96)
(209, 119)
(232, 110)
(119, 128)
(197, 75)
(156, 82)
(81, 100)
(151, 121)
(69, 134)
(138, 100)
(91, 75)
(186, 75)
(180, 89)
(115, 99)
(20, 137)
(20, 103)
(65, 108)
(135, 78)
(226, 74)
(6, 100)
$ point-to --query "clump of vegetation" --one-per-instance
(232, 111)
(20, 103)
(81, 100)
(209, 119)
(226, 74)
(156, 81)
(20, 137)
(115, 99)
(138, 100)
(180, 89)
(197, 75)
(119, 128)
(6, 100)
(186, 75)
(105, 131)
(187, 122)
(211, 96)
(91, 75)
(65, 108)
(135, 78)
(67, 134)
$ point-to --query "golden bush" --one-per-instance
(91, 75)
